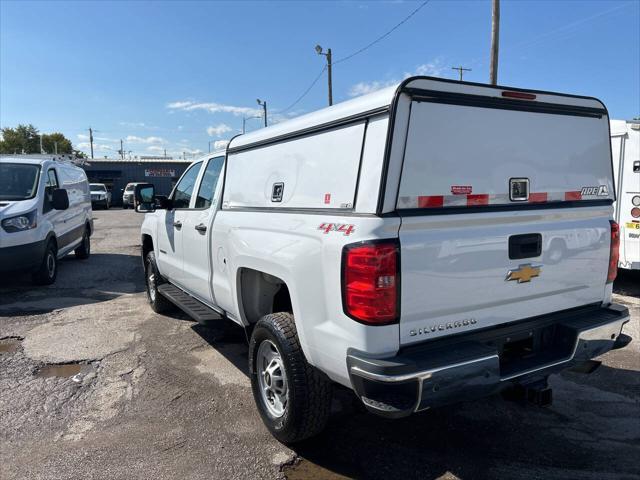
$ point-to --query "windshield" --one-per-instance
(98, 187)
(130, 187)
(18, 181)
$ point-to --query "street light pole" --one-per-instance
(244, 122)
(329, 70)
(264, 106)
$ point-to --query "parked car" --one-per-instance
(100, 195)
(395, 244)
(625, 145)
(128, 199)
(45, 213)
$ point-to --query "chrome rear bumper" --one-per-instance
(482, 363)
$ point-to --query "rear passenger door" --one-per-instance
(171, 226)
(196, 232)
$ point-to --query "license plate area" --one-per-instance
(524, 350)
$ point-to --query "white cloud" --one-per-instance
(362, 88)
(431, 69)
(218, 130)
(83, 137)
(137, 125)
(220, 144)
(435, 68)
(135, 139)
(96, 146)
(212, 107)
(155, 148)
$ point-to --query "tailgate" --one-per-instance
(505, 212)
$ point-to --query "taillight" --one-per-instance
(635, 212)
(520, 95)
(371, 281)
(614, 252)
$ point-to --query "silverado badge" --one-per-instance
(524, 273)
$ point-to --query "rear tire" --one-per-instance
(48, 270)
(293, 398)
(84, 250)
(153, 280)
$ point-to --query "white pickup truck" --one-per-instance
(429, 243)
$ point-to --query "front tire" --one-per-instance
(84, 250)
(293, 398)
(153, 279)
(48, 270)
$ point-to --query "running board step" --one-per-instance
(192, 307)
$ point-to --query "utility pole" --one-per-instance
(41, 149)
(121, 150)
(264, 107)
(461, 69)
(329, 72)
(91, 140)
(165, 153)
(495, 42)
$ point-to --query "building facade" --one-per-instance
(163, 173)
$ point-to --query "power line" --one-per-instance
(304, 94)
(357, 52)
(383, 36)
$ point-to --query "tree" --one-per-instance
(26, 139)
(23, 138)
(55, 143)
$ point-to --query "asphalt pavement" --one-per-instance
(95, 385)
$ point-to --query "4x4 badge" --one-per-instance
(524, 273)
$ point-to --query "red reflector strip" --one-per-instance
(570, 196)
(480, 199)
(433, 201)
(540, 197)
(521, 95)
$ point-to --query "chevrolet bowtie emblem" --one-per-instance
(524, 273)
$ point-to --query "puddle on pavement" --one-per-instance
(9, 345)
(306, 470)
(63, 370)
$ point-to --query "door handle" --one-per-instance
(201, 227)
(178, 225)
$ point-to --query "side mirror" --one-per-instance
(60, 199)
(145, 196)
(163, 202)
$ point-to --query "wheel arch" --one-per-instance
(51, 237)
(260, 293)
(146, 242)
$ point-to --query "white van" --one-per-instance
(625, 147)
(45, 212)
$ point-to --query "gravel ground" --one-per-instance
(153, 396)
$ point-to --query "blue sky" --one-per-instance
(177, 75)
